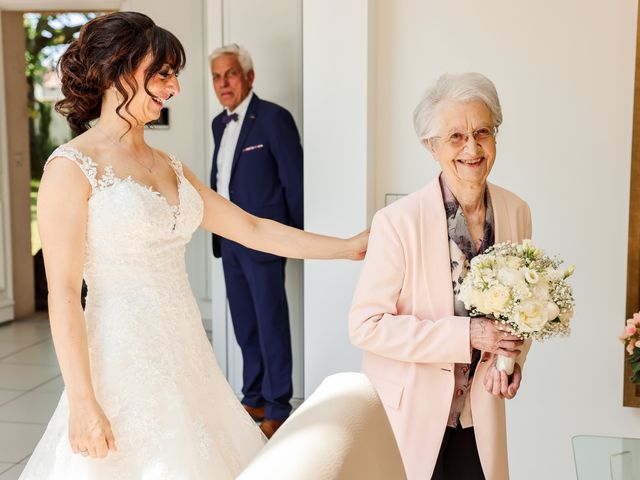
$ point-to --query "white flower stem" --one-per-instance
(505, 364)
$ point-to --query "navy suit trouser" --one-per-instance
(260, 317)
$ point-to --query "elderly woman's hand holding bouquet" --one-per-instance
(522, 288)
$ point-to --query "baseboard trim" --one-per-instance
(7, 313)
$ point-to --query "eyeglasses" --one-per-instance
(480, 135)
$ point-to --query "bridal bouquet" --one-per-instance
(631, 337)
(521, 287)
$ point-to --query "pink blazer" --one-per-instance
(402, 318)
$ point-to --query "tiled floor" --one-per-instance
(30, 387)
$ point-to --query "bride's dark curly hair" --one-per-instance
(107, 53)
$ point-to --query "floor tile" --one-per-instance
(42, 353)
(17, 440)
(24, 330)
(25, 377)
(9, 348)
(8, 395)
(13, 473)
(32, 407)
(56, 385)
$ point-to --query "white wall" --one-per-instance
(564, 72)
(338, 111)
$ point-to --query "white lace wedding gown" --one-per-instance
(173, 414)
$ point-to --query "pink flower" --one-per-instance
(636, 318)
(631, 321)
(630, 348)
(638, 344)
(630, 330)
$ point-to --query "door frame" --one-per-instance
(11, 306)
(6, 263)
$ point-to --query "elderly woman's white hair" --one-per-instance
(244, 58)
(465, 87)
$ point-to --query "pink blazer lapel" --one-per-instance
(436, 260)
(436, 263)
(502, 225)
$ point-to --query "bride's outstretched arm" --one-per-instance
(230, 221)
(62, 222)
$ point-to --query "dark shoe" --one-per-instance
(257, 413)
(269, 426)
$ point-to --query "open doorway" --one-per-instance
(47, 36)
(34, 129)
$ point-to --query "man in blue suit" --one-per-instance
(257, 164)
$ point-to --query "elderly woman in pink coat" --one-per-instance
(431, 363)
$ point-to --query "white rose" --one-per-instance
(487, 274)
(496, 299)
(521, 290)
(513, 262)
(531, 316)
(552, 311)
(510, 277)
(466, 290)
(478, 301)
(540, 291)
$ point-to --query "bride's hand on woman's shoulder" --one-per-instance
(90, 432)
(359, 245)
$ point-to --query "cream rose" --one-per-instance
(510, 276)
(540, 291)
(496, 299)
(531, 316)
(478, 300)
(552, 311)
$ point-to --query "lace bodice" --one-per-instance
(131, 228)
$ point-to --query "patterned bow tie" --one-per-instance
(226, 118)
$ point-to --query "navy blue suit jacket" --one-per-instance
(267, 170)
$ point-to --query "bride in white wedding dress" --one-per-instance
(144, 398)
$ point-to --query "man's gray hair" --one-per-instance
(244, 58)
(465, 87)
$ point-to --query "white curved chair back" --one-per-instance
(341, 432)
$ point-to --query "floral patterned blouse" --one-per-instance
(461, 251)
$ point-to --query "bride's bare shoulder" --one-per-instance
(88, 144)
(78, 172)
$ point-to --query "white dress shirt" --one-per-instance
(228, 146)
